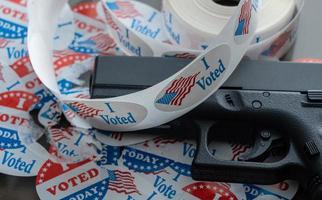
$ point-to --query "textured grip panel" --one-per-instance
(311, 148)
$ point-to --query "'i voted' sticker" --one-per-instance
(83, 180)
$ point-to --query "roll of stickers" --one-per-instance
(203, 20)
(140, 30)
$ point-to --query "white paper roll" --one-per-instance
(199, 21)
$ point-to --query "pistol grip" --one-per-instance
(207, 168)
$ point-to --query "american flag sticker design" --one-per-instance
(178, 91)
(103, 42)
(84, 111)
(100, 43)
(123, 9)
(58, 134)
(238, 149)
(244, 19)
(122, 182)
(278, 44)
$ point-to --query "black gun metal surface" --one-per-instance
(286, 97)
(121, 75)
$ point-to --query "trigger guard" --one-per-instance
(261, 146)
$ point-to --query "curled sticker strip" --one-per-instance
(155, 105)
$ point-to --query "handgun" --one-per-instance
(275, 105)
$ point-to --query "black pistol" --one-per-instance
(276, 105)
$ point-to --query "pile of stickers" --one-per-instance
(83, 164)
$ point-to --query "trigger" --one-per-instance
(262, 145)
